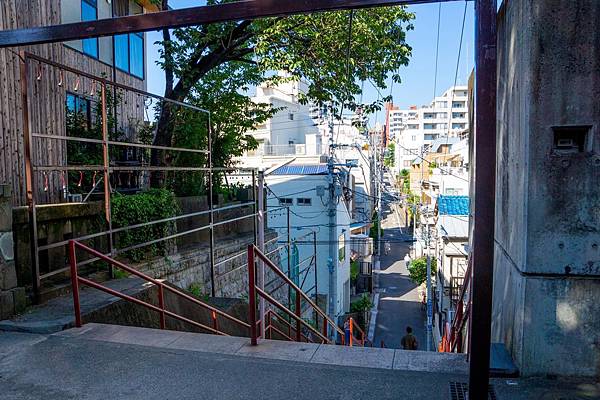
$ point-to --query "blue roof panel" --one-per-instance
(453, 205)
(309, 169)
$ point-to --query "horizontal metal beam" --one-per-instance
(241, 10)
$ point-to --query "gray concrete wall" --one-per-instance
(547, 255)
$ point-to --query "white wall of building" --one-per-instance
(313, 217)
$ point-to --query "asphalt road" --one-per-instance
(399, 304)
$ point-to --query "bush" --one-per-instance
(354, 269)
(417, 269)
(151, 205)
(362, 305)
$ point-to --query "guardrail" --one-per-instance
(462, 315)
(328, 325)
(76, 280)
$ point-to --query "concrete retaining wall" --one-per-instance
(547, 252)
(12, 297)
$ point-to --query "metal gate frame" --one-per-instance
(485, 124)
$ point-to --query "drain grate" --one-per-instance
(460, 391)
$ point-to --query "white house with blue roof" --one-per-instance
(452, 231)
(304, 190)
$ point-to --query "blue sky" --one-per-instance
(417, 78)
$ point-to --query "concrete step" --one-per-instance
(367, 357)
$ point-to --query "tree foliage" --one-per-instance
(417, 269)
(388, 161)
(214, 67)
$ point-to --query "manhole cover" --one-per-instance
(460, 391)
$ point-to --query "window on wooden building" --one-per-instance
(78, 111)
(129, 48)
(89, 12)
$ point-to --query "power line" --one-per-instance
(437, 51)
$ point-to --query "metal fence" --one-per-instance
(43, 173)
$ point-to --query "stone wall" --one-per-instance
(547, 233)
(190, 267)
(12, 297)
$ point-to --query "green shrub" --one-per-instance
(151, 205)
(417, 269)
(354, 269)
(362, 305)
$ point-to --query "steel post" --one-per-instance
(484, 197)
(251, 296)
(106, 173)
(298, 310)
(75, 283)
(30, 185)
(161, 304)
(211, 217)
(261, 245)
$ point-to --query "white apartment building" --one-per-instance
(292, 130)
(416, 129)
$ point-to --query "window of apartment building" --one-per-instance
(304, 201)
(129, 48)
(291, 116)
(458, 104)
(458, 115)
(441, 104)
(78, 110)
(429, 126)
(442, 126)
(414, 138)
(442, 115)
(428, 115)
(458, 126)
(89, 12)
(413, 126)
(286, 201)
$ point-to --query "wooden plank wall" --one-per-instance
(47, 99)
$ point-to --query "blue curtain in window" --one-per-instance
(136, 54)
(89, 13)
(122, 52)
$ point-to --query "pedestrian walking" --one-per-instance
(347, 331)
(409, 341)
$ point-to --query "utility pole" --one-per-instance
(332, 212)
(378, 188)
(429, 300)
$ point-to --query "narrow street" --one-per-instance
(399, 304)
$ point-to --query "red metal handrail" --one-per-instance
(76, 280)
(461, 317)
(362, 340)
(253, 291)
(268, 317)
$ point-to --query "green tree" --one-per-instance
(417, 269)
(235, 56)
(388, 160)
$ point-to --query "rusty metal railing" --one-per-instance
(328, 325)
(462, 315)
(361, 339)
(76, 280)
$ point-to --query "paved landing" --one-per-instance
(273, 349)
(112, 362)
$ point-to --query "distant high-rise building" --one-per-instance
(415, 129)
